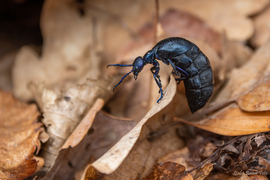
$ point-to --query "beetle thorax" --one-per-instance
(149, 57)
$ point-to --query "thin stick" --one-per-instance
(156, 21)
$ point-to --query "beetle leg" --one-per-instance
(174, 68)
(180, 79)
(155, 72)
(184, 75)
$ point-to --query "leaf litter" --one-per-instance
(79, 41)
(19, 138)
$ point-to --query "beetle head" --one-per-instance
(138, 65)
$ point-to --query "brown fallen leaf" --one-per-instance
(168, 170)
(232, 121)
(19, 138)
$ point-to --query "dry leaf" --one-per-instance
(19, 138)
(232, 121)
(64, 111)
(81, 130)
(134, 153)
(168, 170)
(102, 135)
(258, 98)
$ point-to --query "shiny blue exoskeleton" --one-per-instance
(189, 64)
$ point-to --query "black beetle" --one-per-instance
(187, 61)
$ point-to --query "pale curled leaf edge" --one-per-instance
(111, 160)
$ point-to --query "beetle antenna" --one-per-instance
(121, 65)
(122, 79)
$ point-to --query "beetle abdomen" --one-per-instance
(199, 85)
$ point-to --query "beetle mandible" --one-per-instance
(189, 64)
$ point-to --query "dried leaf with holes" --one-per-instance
(19, 138)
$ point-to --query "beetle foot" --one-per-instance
(161, 96)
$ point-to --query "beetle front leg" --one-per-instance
(155, 72)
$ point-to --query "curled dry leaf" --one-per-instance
(64, 111)
(232, 121)
(223, 15)
(19, 138)
(134, 153)
(102, 135)
(81, 130)
(168, 170)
